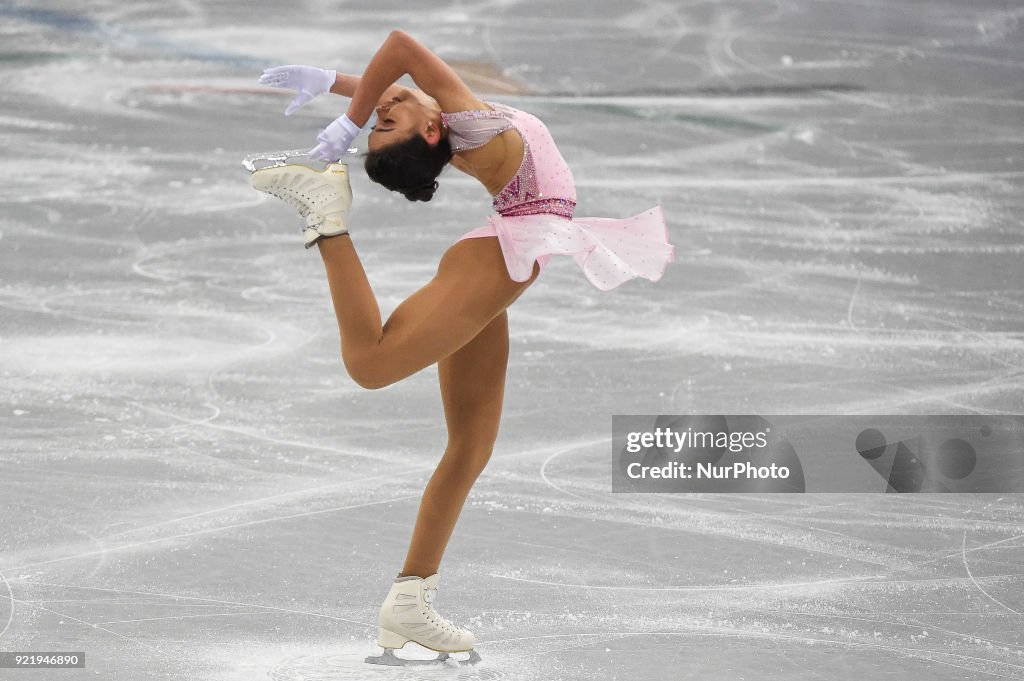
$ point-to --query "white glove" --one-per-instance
(309, 81)
(334, 140)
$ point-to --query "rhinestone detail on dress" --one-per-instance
(563, 207)
(521, 196)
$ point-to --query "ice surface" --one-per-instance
(193, 488)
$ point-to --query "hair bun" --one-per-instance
(410, 167)
(422, 193)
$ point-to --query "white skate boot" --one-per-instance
(408, 614)
(322, 197)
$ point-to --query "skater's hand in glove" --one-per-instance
(334, 140)
(309, 81)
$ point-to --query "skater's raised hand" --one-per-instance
(309, 81)
(334, 140)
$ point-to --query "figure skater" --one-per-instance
(459, 319)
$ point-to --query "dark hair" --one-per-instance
(410, 167)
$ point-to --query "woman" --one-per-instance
(459, 318)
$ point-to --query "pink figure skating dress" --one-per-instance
(534, 217)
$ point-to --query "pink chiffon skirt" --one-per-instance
(610, 251)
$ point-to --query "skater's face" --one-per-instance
(400, 118)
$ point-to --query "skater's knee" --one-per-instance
(365, 373)
(368, 382)
(469, 458)
(357, 372)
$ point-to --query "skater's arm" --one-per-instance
(402, 54)
(346, 84)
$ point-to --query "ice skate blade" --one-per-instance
(443, 659)
(275, 159)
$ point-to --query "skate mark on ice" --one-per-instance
(216, 601)
(557, 453)
(10, 612)
(963, 553)
(735, 587)
(969, 669)
(256, 435)
(186, 617)
(729, 633)
(263, 502)
(96, 626)
(849, 309)
(215, 529)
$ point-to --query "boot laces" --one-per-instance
(290, 198)
(433, 615)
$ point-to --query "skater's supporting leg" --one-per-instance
(472, 389)
(471, 288)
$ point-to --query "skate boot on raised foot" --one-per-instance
(322, 197)
(408, 614)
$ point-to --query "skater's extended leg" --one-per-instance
(470, 289)
(472, 389)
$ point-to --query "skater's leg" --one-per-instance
(472, 389)
(471, 288)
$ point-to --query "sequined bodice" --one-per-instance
(543, 183)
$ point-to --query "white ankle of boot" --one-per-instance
(408, 613)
